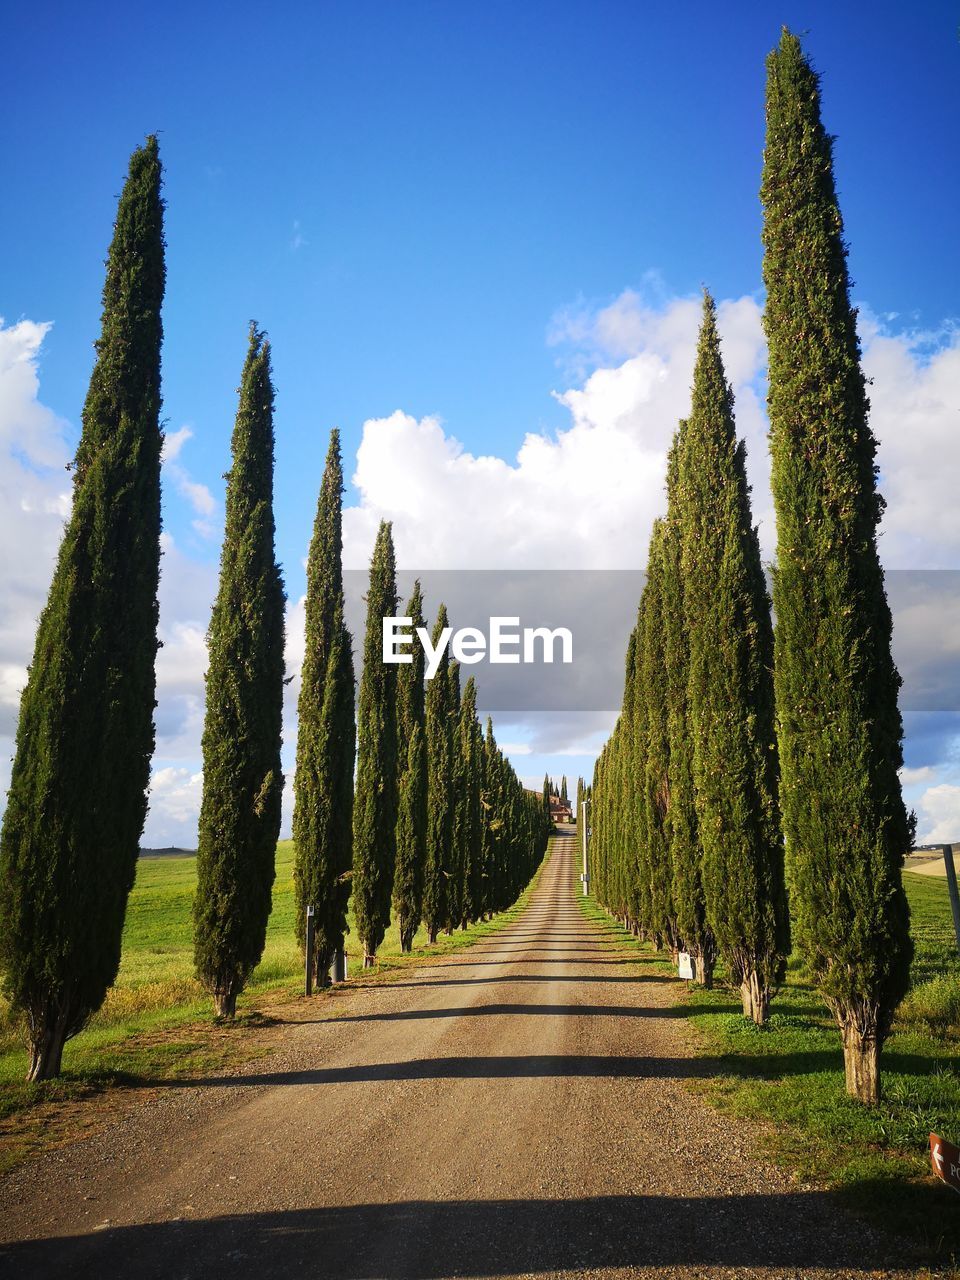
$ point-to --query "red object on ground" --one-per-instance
(945, 1159)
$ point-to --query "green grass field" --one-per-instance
(791, 1074)
(156, 1020)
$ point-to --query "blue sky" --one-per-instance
(431, 207)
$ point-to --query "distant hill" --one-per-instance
(172, 852)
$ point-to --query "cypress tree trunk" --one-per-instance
(839, 727)
(326, 737)
(375, 805)
(77, 800)
(727, 614)
(412, 812)
(242, 778)
(439, 789)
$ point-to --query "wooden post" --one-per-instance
(308, 970)
(952, 886)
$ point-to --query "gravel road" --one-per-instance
(517, 1109)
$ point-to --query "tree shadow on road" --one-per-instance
(575, 978)
(429, 1239)
(518, 1010)
(524, 1067)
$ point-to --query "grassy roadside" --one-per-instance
(157, 1023)
(790, 1075)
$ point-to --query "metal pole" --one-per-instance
(308, 965)
(952, 886)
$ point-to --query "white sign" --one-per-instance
(686, 965)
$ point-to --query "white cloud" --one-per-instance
(915, 414)
(591, 493)
(912, 777)
(35, 497)
(585, 497)
(173, 442)
(939, 815)
(175, 795)
(197, 495)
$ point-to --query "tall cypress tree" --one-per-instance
(439, 789)
(456, 859)
(77, 800)
(840, 731)
(488, 834)
(412, 811)
(375, 803)
(654, 760)
(727, 613)
(688, 896)
(242, 780)
(470, 748)
(326, 735)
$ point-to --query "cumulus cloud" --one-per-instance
(915, 403)
(174, 804)
(35, 496)
(591, 492)
(939, 815)
(585, 497)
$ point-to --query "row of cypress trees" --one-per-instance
(70, 836)
(436, 826)
(443, 831)
(746, 759)
(423, 812)
(688, 847)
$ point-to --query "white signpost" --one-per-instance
(685, 964)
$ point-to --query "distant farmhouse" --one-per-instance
(560, 810)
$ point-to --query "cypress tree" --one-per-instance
(654, 759)
(456, 857)
(470, 746)
(77, 799)
(375, 803)
(641, 889)
(488, 835)
(839, 727)
(563, 789)
(242, 781)
(326, 734)
(727, 613)
(412, 811)
(439, 788)
(685, 854)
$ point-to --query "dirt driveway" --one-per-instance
(517, 1109)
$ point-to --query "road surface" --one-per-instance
(517, 1109)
